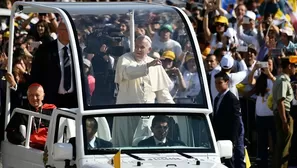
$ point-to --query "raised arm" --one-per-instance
(207, 32)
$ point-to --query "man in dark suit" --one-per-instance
(227, 121)
(160, 129)
(93, 141)
(52, 67)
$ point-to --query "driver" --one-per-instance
(160, 129)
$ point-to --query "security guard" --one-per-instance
(282, 96)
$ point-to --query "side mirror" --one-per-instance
(62, 151)
(225, 148)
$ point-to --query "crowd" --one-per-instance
(254, 42)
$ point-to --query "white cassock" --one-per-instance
(137, 85)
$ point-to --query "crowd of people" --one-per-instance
(248, 48)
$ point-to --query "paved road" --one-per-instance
(0, 160)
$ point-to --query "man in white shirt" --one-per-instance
(227, 63)
(164, 42)
(213, 68)
(141, 79)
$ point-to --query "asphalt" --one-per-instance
(0, 160)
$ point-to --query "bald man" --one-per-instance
(141, 79)
(16, 129)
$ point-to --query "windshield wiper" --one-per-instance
(189, 157)
(132, 155)
(112, 150)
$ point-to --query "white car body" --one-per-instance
(59, 154)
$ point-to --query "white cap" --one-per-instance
(251, 15)
(227, 61)
(232, 34)
(287, 30)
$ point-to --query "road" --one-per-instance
(0, 160)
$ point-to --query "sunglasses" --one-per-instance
(162, 127)
(219, 24)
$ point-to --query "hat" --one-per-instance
(166, 27)
(87, 62)
(287, 30)
(169, 55)
(227, 62)
(230, 32)
(252, 47)
(189, 57)
(6, 34)
(250, 15)
(222, 19)
(293, 59)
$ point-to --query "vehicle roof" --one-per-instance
(98, 7)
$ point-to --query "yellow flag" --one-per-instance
(117, 160)
(293, 5)
(247, 159)
(279, 14)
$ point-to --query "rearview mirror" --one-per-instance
(225, 148)
(62, 151)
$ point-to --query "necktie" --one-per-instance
(160, 144)
(67, 69)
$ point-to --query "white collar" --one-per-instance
(61, 46)
(223, 94)
(158, 142)
(92, 142)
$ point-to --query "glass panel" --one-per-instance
(140, 133)
(104, 36)
(65, 130)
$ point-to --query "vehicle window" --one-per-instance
(105, 37)
(145, 132)
(65, 129)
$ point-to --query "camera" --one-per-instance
(108, 35)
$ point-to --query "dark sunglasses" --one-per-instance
(220, 24)
(162, 127)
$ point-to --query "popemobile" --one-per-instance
(102, 132)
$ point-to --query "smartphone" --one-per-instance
(246, 20)
(35, 44)
(263, 64)
(242, 49)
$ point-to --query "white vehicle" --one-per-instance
(189, 122)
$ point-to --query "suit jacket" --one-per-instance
(99, 143)
(46, 71)
(151, 142)
(227, 122)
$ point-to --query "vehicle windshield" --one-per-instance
(147, 133)
(104, 36)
